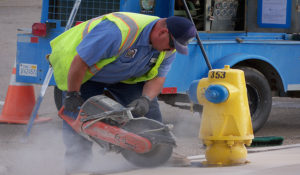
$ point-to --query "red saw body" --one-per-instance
(142, 141)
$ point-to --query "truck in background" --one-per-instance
(260, 37)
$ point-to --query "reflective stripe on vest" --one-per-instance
(87, 26)
(129, 40)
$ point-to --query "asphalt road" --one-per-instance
(43, 152)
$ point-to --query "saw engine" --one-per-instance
(142, 141)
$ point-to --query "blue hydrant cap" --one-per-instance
(216, 93)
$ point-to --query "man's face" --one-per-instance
(161, 40)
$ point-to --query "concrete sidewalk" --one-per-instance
(262, 161)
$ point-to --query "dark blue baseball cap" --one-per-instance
(182, 31)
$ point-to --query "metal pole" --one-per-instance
(50, 72)
(197, 36)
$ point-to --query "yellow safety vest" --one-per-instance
(64, 46)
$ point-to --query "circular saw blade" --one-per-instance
(155, 132)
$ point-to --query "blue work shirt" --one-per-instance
(104, 40)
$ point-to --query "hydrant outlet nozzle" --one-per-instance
(216, 93)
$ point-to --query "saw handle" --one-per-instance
(71, 121)
(64, 116)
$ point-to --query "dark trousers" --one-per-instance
(78, 149)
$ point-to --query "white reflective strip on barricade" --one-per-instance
(14, 83)
(293, 87)
(24, 39)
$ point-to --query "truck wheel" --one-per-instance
(57, 98)
(259, 96)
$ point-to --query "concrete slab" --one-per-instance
(276, 162)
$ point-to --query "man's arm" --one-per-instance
(76, 74)
(153, 87)
(77, 71)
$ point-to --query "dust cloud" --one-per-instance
(186, 127)
(43, 152)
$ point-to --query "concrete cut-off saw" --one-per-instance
(143, 142)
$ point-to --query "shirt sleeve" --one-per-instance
(103, 41)
(166, 66)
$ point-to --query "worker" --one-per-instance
(127, 54)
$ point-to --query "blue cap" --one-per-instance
(182, 31)
(216, 93)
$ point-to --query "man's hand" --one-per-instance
(140, 106)
(73, 100)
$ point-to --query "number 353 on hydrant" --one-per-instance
(226, 123)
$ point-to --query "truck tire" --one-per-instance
(259, 96)
(57, 98)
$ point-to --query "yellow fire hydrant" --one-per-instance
(226, 122)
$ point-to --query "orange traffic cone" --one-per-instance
(19, 102)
